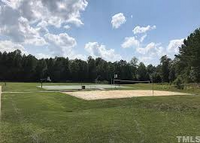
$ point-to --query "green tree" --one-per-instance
(134, 65)
(41, 70)
(29, 64)
(189, 57)
(142, 72)
(165, 68)
(92, 73)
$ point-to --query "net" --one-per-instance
(122, 81)
(118, 82)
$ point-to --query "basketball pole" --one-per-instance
(114, 82)
(43, 80)
(115, 77)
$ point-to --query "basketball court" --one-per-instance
(89, 87)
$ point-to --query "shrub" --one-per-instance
(179, 83)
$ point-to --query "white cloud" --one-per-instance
(49, 10)
(138, 29)
(17, 28)
(174, 45)
(31, 35)
(146, 59)
(150, 58)
(27, 22)
(19, 17)
(64, 10)
(60, 45)
(42, 56)
(75, 21)
(67, 27)
(137, 41)
(96, 50)
(8, 46)
(118, 20)
(71, 55)
(130, 42)
(79, 56)
(147, 53)
(42, 27)
(11, 3)
(153, 51)
(143, 37)
(151, 46)
(160, 51)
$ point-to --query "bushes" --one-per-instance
(179, 83)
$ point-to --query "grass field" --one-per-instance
(58, 118)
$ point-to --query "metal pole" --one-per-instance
(41, 83)
(114, 82)
(152, 87)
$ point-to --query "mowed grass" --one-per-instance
(35, 87)
(59, 118)
(30, 87)
(190, 88)
(20, 87)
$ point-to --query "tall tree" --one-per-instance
(142, 72)
(189, 57)
(92, 73)
(41, 70)
(165, 68)
(134, 65)
(29, 64)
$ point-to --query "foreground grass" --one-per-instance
(58, 118)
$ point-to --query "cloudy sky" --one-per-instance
(111, 29)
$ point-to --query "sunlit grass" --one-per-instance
(56, 117)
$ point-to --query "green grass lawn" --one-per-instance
(31, 87)
(192, 89)
(59, 118)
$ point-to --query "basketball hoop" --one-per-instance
(48, 79)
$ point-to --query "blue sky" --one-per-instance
(80, 28)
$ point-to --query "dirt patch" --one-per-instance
(112, 94)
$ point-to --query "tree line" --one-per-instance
(185, 67)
